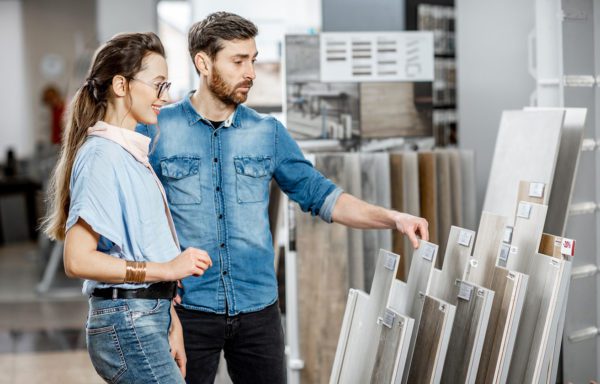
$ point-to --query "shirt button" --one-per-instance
(218, 189)
(220, 216)
(224, 273)
(222, 245)
(215, 134)
(216, 160)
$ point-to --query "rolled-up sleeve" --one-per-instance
(95, 196)
(297, 177)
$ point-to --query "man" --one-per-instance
(216, 158)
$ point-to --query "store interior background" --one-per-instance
(51, 42)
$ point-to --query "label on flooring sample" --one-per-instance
(568, 247)
(388, 318)
(428, 251)
(504, 250)
(465, 291)
(508, 230)
(536, 190)
(524, 210)
(464, 238)
(389, 261)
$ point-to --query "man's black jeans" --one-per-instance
(253, 345)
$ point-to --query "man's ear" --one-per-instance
(202, 63)
(119, 85)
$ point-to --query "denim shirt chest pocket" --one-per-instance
(181, 179)
(253, 174)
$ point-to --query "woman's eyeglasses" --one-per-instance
(161, 88)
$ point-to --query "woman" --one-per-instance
(110, 209)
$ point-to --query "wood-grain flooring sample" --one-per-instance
(509, 288)
(351, 184)
(428, 192)
(487, 244)
(456, 187)
(467, 162)
(526, 236)
(473, 309)
(375, 180)
(363, 338)
(526, 149)
(444, 201)
(432, 340)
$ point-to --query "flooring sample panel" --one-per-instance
(322, 268)
(444, 201)
(428, 192)
(340, 352)
(526, 149)
(375, 180)
(526, 236)
(509, 291)
(456, 188)
(566, 168)
(467, 163)
(394, 342)
(544, 274)
(487, 244)
(458, 251)
(432, 339)
(362, 341)
(473, 309)
(550, 245)
(351, 184)
(389, 110)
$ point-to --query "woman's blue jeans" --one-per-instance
(127, 340)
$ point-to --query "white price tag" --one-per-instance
(464, 238)
(536, 190)
(524, 210)
(465, 291)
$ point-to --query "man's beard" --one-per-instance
(226, 93)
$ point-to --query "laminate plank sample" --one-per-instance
(351, 184)
(405, 297)
(487, 244)
(394, 342)
(509, 288)
(531, 192)
(473, 309)
(410, 165)
(456, 187)
(566, 167)
(428, 192)
(349, 316)
(362, 342)
(322, 267)
(444, 201)
(398, 203)
(458, 251)
(526, 149)
(543, 277)
(526, 236)
(432, 340)
(550, 245)
(375, 180)
(467, 162)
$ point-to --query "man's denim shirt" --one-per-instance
(217, 186)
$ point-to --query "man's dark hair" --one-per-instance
(207, 35)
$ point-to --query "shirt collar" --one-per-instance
(193, 116)
(134, 143)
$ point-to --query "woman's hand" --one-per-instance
(176, 342)
(191, 262)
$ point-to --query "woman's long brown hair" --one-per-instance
(121, 55)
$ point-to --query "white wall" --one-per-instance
(492, 73)
(115, 16)
(15, 127)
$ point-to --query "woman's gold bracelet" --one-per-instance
(135, 272)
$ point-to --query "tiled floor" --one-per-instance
(42, 337)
